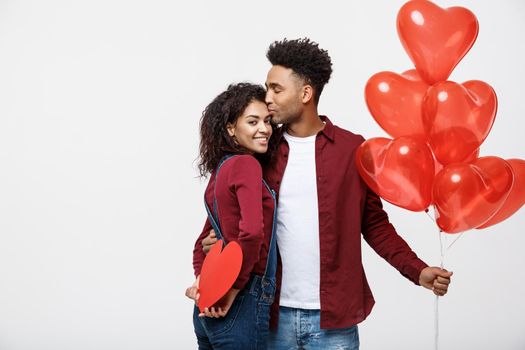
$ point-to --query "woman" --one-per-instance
(235, 138)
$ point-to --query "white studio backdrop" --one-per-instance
(99, 201)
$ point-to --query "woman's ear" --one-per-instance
(231, 129)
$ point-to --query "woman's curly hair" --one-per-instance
(215, 141)
(305, 58)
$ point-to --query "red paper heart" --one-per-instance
(458, 118)
(401, 171)
(468, 195)
(219, 272)
(395, 101)
(435, 39)
(516, 198)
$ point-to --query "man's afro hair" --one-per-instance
(305, 58)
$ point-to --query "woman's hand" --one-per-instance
(221, 308)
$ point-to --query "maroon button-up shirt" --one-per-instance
(347, 209)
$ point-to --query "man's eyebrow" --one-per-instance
(272, 85)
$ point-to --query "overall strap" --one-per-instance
(271, 261)
(214, 217)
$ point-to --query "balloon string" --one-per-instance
(458, 237)
(436, 303)
(442, 264)
(436, 323)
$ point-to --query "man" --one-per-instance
(323, 208)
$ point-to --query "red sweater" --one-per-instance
(245, 210)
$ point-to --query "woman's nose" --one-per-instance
(263, 128)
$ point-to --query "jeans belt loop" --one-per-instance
(254, 285)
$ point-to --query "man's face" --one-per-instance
(284, 95)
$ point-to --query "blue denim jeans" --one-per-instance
(301, 329)
(245, 326)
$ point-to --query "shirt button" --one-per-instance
(277, 182)
(319, 178)
(285, 155)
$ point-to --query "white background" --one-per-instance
(99, 200)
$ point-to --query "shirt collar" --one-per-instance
(329, 128)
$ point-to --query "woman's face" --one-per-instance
(252, 129)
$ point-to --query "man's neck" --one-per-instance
(308, 124)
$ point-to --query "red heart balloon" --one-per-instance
(401, 171)
(516, 198)
(469, 159)
(435, 39)
(395, 101)
(468, 195)
(458, 118)
(219, 272)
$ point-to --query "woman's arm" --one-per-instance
(246, 178)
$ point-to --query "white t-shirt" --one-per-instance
(298, 226)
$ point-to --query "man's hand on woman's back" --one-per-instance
(209, 241)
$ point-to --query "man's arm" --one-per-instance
(383, 238)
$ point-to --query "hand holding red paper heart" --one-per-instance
(218, 273)
(221, 308)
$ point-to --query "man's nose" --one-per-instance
(268, 99)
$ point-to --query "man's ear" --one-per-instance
(231, 129)
(308, 93)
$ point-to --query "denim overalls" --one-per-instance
(246, 325)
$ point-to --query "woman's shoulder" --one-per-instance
(245, 160)
(244, 164)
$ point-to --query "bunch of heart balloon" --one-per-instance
(437, 128)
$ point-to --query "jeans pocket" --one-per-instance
(217, 326)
